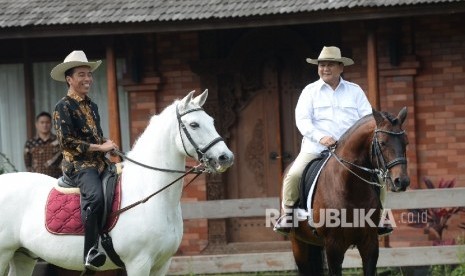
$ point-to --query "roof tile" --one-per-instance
(20, 13)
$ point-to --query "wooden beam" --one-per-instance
(112, 92)
(426, 198)
(218, 209)
(284, 261)
(29, 91)
(372, 68)
(254, 207)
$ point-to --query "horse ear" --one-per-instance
(200, 100)
(402, 115)
(378, 116)
(187, 99)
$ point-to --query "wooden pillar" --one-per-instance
(372, 69)
(112, 92)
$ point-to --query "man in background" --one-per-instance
(42, 153)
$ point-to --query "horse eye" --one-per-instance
(194, 125)
(382, 143)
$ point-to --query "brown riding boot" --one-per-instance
(285, 222)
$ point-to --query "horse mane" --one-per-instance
(156, 123)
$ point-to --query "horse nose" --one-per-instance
(401, 183)
(226, 159)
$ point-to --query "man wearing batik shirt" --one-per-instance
(42, 154)
(77, 126)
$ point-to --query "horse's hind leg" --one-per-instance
(21, 265)
(308, 258)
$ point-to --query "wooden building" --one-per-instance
(251, 56)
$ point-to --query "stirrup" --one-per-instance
(282, 225)
(95, 259)
(384, 231)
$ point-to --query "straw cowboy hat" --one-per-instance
(74, 59)
(331, 53)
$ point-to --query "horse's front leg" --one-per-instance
(308, 258)
(334, 257)
(369, 251)
(137, 268)
(160, 271)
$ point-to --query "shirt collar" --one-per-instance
(321, 83)
(77, 98)
(50, 138)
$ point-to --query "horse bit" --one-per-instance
(383, 170)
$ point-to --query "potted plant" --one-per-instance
(6, 165)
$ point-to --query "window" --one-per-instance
(47, 92)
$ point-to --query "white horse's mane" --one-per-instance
(158, 124)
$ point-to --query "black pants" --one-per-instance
(90, 184)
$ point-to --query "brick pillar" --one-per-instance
(142, 102)
(398, 90)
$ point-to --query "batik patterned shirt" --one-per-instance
(43, 156)
(77, 125)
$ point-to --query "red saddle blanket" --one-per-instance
(63, 213)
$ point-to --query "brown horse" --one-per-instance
(375, 147)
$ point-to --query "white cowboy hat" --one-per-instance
(331, 53)
(74, 59)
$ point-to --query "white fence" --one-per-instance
(283, 261)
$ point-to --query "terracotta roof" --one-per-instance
(22, 13)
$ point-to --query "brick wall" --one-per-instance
(440, 94)
(440, 43)
(430, 80)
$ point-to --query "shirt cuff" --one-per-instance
(84, 147)
(317, 137)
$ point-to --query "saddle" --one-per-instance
(63, 213)
(308, 180)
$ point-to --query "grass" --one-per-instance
(346, 272)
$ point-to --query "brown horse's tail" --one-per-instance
(308, 258)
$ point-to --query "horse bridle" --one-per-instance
(200, 151)
(381, 162)
(383, 169)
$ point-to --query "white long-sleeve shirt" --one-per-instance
(322, 111)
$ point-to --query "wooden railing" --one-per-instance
(283, 261)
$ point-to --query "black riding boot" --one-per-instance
(92, 257)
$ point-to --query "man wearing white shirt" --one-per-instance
(325, 110)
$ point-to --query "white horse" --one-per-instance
(146, 236)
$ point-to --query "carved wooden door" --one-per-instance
(264, 142)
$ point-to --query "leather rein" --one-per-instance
(383, 168)
(198, 170)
